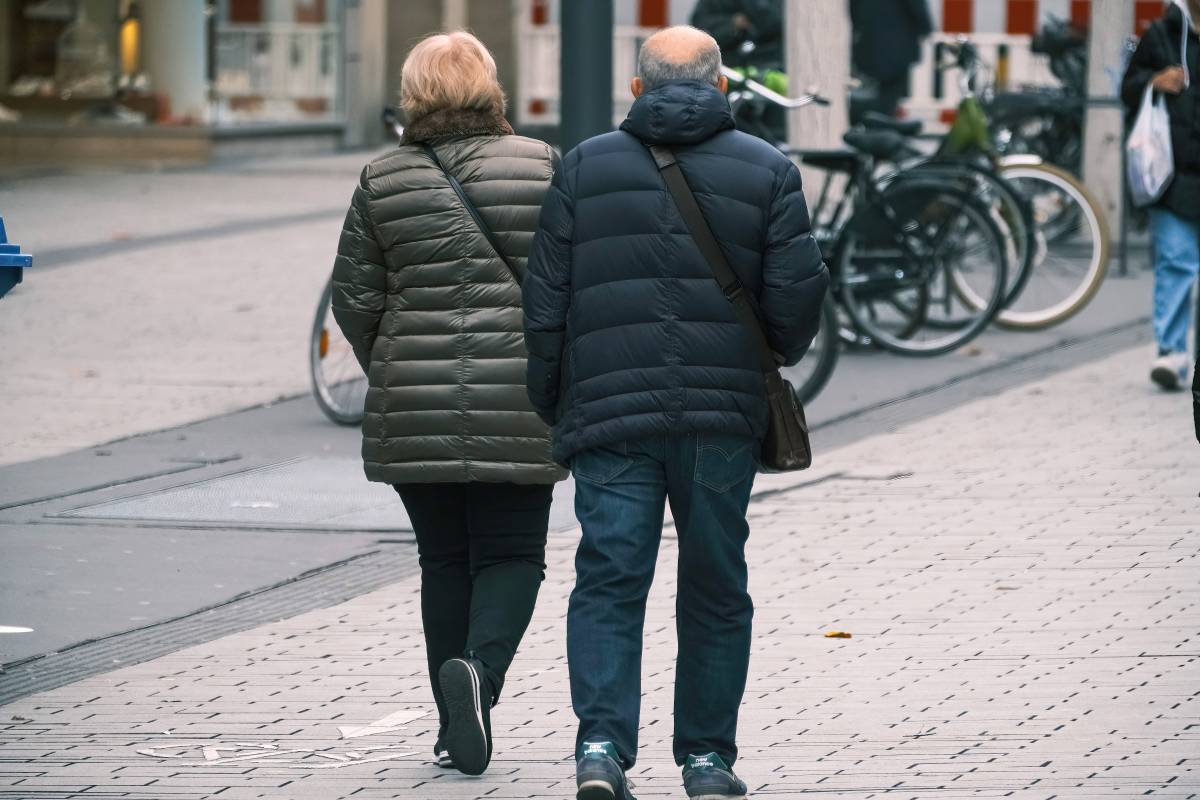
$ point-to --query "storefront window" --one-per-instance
(175, 62)
(60, 62)
(277, 61)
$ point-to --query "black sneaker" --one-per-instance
(708, 777)
(468, 699)
(598, 774)
(441, 756)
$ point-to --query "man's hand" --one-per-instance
(1169, 80)
(742, 23)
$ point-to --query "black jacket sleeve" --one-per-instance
(794, 276)
(546, 295)
(716, 17)
(918, 12)
(767, 18)
(1146, 60)
(359, 278)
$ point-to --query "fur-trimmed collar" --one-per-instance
(457, 122)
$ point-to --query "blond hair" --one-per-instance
(450, 70)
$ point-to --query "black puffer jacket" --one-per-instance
(1158, 49)
(433, 314)
(629, 335)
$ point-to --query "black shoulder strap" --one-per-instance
(474, 212)
(697, 225)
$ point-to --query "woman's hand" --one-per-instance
(1169, 80)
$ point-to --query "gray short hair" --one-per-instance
(705, 64)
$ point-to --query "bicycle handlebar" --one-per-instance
(769, 94)
(966, 60)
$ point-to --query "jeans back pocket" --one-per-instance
(601, 465)
(723, 461)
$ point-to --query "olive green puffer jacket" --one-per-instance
(434, 315)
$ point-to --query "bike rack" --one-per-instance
(12, 262)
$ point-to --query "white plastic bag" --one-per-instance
(1149, 161)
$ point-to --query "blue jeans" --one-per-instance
(1176, 264)
(619, 498)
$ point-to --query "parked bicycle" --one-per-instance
(1014, 214)
(1062, 267)
(898, 248)
(1047, 121)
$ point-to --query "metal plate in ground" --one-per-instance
(321, 493)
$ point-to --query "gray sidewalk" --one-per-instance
(1020, 577)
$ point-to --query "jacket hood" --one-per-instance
(679, 112)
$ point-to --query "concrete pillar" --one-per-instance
(1103, 137)
(174, 55)
(493, 22)
(5, 45)
(818, 58)
(454, 14)
(365, 33)
(586, 71)
(407, 24)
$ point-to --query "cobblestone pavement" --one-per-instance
(1020, 577)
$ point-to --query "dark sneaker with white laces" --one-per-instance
(468, 699)
(708, 777)
(598, 773)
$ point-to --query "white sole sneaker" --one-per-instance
(468, 737)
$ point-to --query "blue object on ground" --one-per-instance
(12, 262)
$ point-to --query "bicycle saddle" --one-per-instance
(1055, 100)
(874, 121)
(840, 160)
(885, 145)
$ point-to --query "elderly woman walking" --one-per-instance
(426, 289)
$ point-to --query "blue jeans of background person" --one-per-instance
(619, 498)
(1176, 264)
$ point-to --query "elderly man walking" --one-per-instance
(655, 393)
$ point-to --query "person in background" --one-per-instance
(434, 317)
(1167, 55)
(887, 38)
(733, 23)
(651, 382)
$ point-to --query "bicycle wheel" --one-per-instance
(1073, 246)
(814, 370)
(1009, 209)
(903, 258)
(339, 385)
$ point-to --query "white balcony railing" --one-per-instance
(277, 72)
(537, 64)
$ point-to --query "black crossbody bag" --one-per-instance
(786, 445)
(474, 212)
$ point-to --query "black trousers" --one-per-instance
(482, 551)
